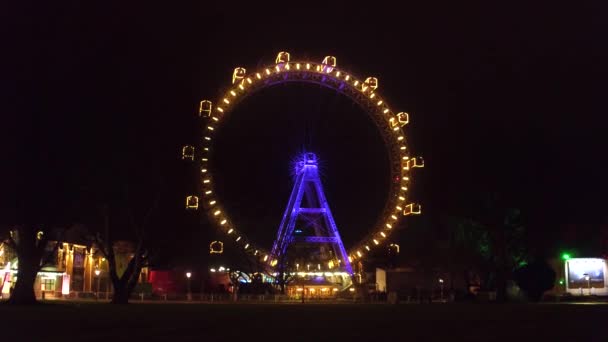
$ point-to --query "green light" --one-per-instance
(561, 281)
(566, 256)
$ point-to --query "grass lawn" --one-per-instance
(286, 322)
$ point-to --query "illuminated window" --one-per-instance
(188, 152)
(192, 202)
(205, 108)
(238, 74)
(47, 284)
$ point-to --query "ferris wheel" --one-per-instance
(363, 92)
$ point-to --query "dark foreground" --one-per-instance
(308, 322)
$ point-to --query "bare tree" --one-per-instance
(125, 283)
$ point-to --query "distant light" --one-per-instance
(212, 270)
(188, 275)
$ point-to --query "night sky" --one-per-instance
(502, 99)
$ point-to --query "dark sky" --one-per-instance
(508, 99)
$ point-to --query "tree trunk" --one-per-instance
(501, 285)
(23, 293)
(29, 255)
(121, 295)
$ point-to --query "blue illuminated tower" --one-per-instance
(308, 232)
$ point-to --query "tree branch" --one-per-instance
(47, 258)
(11, 242)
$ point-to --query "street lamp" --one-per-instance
(188, 275)
(97, 273)
(441, 288)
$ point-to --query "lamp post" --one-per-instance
(97, 273)
(188, 275)
(441, 289)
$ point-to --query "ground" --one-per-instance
(306, 322)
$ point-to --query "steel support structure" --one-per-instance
(324, 230)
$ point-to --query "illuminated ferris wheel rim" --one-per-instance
(326, 73)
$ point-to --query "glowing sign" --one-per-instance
(65, 284)
(578, 269)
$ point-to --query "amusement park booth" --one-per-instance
(586, 276)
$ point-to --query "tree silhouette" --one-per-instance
(31, 244)
(493, 239)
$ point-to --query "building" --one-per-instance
(75, 270)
